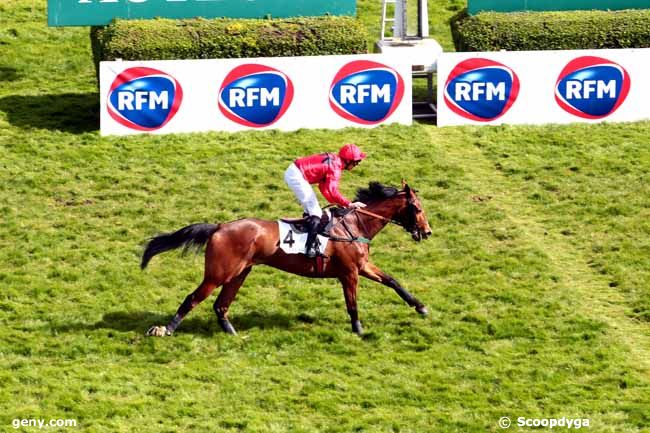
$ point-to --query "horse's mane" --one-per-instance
(375, 191)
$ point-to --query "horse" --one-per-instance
(233, 248)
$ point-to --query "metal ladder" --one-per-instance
(398, 20)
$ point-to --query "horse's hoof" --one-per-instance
(158, 331)
(422, 310)
(357, 328)
(227, 327)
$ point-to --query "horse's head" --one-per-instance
(411, 216)
(402, 207)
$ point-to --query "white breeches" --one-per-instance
(303, 190)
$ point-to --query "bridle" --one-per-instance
(411, 226)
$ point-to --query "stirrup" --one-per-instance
(314, 249)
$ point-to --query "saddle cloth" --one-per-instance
(293, 240)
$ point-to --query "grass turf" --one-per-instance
(536, 275)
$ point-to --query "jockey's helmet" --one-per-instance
(351, 152)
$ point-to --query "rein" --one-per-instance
(361, 239)
(372, 214)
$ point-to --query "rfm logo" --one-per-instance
(592, 87)
(144, 99)
(255, 95)
(366, 92)
(481, 89)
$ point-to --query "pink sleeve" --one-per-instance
(330, 190)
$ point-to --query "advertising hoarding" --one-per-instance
(535, 87)
(476, 6)
(101, 12)
(285, 93)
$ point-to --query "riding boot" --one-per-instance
(313, 222)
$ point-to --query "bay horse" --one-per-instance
(233, 248)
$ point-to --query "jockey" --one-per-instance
(324, 169)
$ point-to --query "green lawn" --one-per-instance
(537, 274)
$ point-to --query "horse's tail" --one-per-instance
(192, 236)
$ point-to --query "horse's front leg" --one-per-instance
(372, 272)
(350, 282)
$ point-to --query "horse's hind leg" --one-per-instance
(192, 300)
(225, 298)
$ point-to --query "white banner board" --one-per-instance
(534, 87)
(285, 93)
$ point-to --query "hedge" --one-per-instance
(523, 31)
(163, 39)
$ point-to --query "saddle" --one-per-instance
(299, 225)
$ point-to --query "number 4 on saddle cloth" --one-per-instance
(293, 234)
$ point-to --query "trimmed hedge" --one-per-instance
(524, 31)
(164, 39)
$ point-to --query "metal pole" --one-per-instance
(400, 19)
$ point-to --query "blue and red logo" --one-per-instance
(255, 95)
(480, 89)
(144, 99)
(366, 92)
(592, 87)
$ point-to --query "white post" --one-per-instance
(423, 15)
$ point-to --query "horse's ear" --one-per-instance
(405, 187)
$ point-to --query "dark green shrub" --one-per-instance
(163, 39)
(523, 31)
